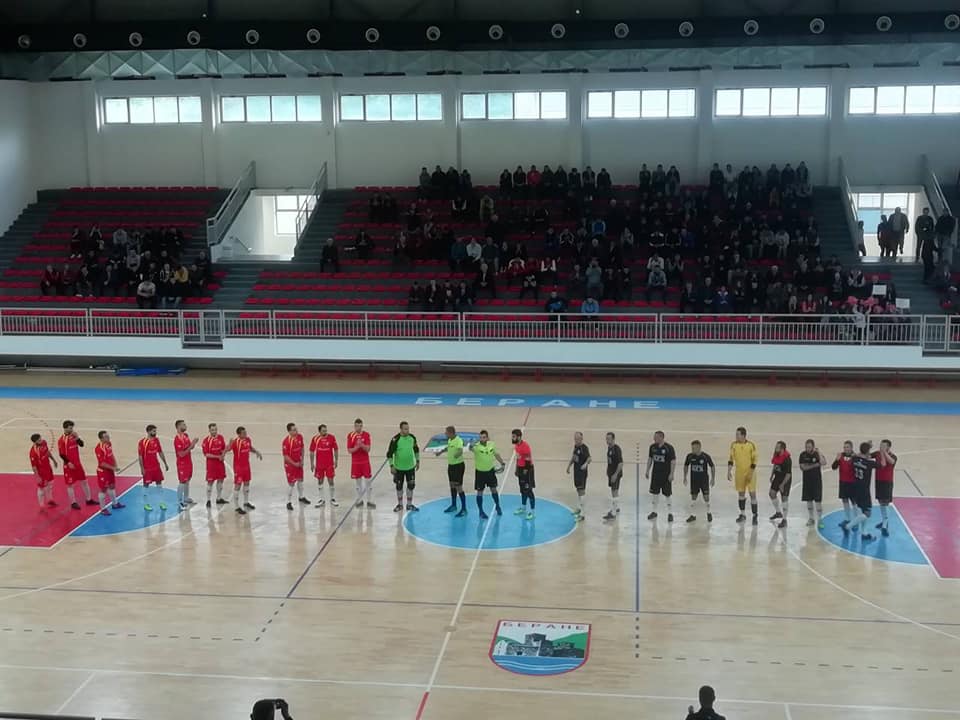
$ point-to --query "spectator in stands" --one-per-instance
(487, 208)
(415, 295)
(423, 191)
(108, 280)
(673, 181)
(519, 180)
(555, 304)
(944, 228)
(181, 283)
(658, 181)
(655, 261)
(458, 208)
(593, 277)
(589, 306)
(943, 277)
(490, 254)
(77, 242)
(589, 183)
(363, 245)
(330, 255)
(485, 280)
(529, 284)
(165, 285)
(432, 294)
(925, 229)
(548, 271)
(474, 253)
(534, 178)
(506, 183)
(723, 303)
(375, 210)
(120, 238)
(716, 179)
(656, 283)
(198, 282)
(83, 282)
(730, 186)
(51, 282)
(458, 256)
(604, 183)
(625, 282)
(464, 297)
(96, 236)
(857, 284)
(466, 183)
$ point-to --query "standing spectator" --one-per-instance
(899, 227)
(604, 183)
(77, 241)
(594, 279)
(329, 255)
(884, 237)
(673, 181)
(924, 227)
(716, 179)
(707, 698)
(363, 245)
(861, 246)
(944, 227)
(643, 180)
(423, 190)
(506, 183)
(519, 180)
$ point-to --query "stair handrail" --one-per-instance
(218, 225)
(849, 207)
(310, 202)
(934, 191)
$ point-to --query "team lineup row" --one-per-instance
(855, 471)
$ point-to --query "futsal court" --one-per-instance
(356, 613)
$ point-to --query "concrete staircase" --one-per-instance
(20, 233)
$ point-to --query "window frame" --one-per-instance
(270, 103)
(513, 105)
(177, 99)
(770, 91)
(626, 103)
(418, 99)
(904, 110)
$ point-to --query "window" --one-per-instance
(527, 105)
(905, 100)
(162, 110)
(946, 99)
(919, 100)
(890, 100)
(270, 108)
(861, 101)
(631, 104)
(401, 107)
(285, 213)
(772, 102)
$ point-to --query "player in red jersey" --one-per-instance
(40, 460)
(107, 470)
(68, 447)
(525, 476)
(241, 447)
(214, 447)
(843, 462)
(149, 453)
(292, 451)
(358, 445)
(182, 447)
(883, 480)
(324, 458)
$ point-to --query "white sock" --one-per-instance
(706, 504)
(655, 499)
(85, 486)
(180, 493)
(103, 500)
(776, 504)
(71, 494)
(333, 492)
(810, 509)
(246, 494)
(847, 511)
(368, 489)
(580, 503)
(186, 491)
(300, 489)
(360, 488)
(209, 491)
(884, 518)
(112, 493)
(670, 505)
(615, 503)
(786, 503)
(236, 495)
(40, 496)
(289, 492)
(819, 510)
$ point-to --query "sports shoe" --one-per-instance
(303, 501)
(884, 531)
(520, 511)
(741, 518)
(321, 502)
(334, 502)
(756, 520)
(652, 516)
(879, 525)
(776, 516)
(576, 511)
(241, 511)
(163, 506)
(451, 508)
(118, 505)
(811, 522)
(669, 517)
(610, 515)
(105, 511)
(182, 506)
(359, 504)
(484, 516)
(248, 506)
(844, 525)
(530, 515)
(412, 508)
(191, 501)
(782, 524)
(91, 501)
(208, 504)
(499, 510)
(289, 506)
(371, 505)
(709, 517)
(579, 518)
(221, 501)
(866, 538)
(462, 513)
(75, 505)
(398, 507)
(692, 518)
(147, 508)
(51, 503)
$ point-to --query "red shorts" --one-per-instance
(44, 480)
(294, 475)
(105, 482)
(216, 473)
(184, 475)
(152, 476)
(241, 476)
(75, 475)
(325, 473)
(360, 470)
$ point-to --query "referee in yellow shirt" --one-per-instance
(742, 468)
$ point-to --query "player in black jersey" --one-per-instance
(781, 479)
(863, 466)
(579, 462)
(812, 463)
(661, 462)
(614, 474)
(699, 469)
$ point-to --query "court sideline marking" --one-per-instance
(472, 688)
(76, 692)
(452, 626)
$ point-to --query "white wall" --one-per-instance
(16, 183)
(71, 147)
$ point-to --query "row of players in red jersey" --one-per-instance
(323, 448)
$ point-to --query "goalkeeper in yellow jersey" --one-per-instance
(742, 469)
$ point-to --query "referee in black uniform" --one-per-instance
(579, 462)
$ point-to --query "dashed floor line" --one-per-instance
(793, 663)
(115, 634)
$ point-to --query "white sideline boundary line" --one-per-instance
(76, 692)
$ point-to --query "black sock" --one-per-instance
(480, 502)
(533, 499)
(754, 507)
(523, 498)
(743, 505)
(453, 496)
(496, 499)
(463, 500)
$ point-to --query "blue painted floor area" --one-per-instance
(553, 521)
(133, 516)
(505, 400)
(899, 547)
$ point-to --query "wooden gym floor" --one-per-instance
(347, 615)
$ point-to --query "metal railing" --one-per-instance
(849, 206)
(218, 225)
(931, 183)
(313, 198)
(933, 333)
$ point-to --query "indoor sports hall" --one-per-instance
(357, 613)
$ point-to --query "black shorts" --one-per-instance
(614, 481)
(777, 485)
(485, 479)
(812, 491)
(661, 486)
(526, 478)
(848, 491)
(455, 473)
(884, 492)
(862, 498)
(700, 486)
(580, 479)
(408, 477)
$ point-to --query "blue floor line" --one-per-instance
(504, 400)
